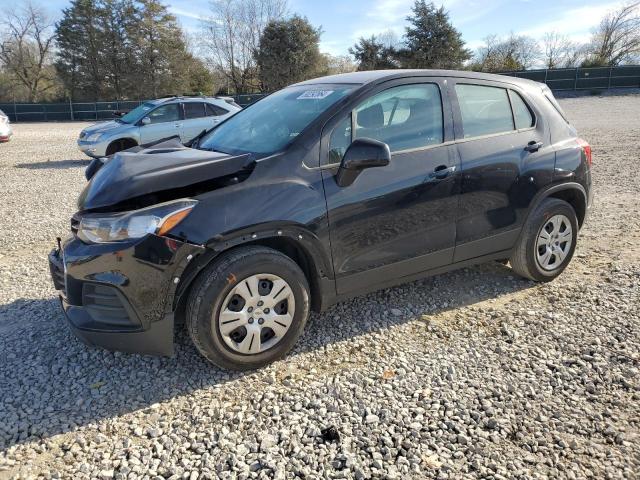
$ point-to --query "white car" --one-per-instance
(183, 117)
(5, 127)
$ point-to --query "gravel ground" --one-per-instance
(475, 373)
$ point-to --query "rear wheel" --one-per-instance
(547, 241)
(248, 308)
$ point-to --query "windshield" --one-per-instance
(137, 113)
(268, 125)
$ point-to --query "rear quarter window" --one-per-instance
(521, 111)
(214, 110)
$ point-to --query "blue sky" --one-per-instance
(343, 21)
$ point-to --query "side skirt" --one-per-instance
(328, 301)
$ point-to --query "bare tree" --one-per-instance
(26, 48)
(389, 39)
(617, 38)
(516, 52)
(336, 64)
(232, 35)
(559, 50)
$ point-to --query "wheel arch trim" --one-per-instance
(320, 276)
(554, 189)
(121, 139)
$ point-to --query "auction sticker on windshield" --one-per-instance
(315, 94)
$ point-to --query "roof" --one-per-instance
(182, 98)
(361, 78)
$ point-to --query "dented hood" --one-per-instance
(134, 174)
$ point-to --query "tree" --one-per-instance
(616, 40)
(232, 36)
(332, 65)
(26, 49)
(559, 50)
(288, 52)
(125, 49)
(161, 50)
(371, 54)
(79, 46)
(516, 52)
(431, 41)
(118, 23)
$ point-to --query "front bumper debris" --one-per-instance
(119, 296)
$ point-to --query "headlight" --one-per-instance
(94, 137)
(158, 219)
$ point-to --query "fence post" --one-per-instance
(610, 71)
(15, 110)
(95, 109)
(546, 73)
(71, 109)
(575, 83)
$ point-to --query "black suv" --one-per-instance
(324, 190)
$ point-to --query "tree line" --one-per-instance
(431, 41)
(135, 49)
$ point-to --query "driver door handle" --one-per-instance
(442, 171)
(533, 146)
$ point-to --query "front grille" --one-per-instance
(106, 305)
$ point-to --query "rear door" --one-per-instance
(195, 120)
(397, 220)
(506, 156)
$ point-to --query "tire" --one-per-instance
(542, 257)
(221, 293)
(119, 145)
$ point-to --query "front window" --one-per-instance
(270, 124)
(404, 117)
(137, 113)
(166, 113)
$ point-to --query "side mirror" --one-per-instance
(145, 121)
(362, 153)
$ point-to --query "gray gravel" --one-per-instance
(475, 373)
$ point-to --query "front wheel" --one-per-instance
(248, 308)
(547, 241)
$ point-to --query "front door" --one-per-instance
(505, 155)
(397, 220)
(166, 121)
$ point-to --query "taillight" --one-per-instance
(586, 148)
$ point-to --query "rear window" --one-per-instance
(485, 110)
(193, 110)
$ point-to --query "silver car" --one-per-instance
(184, 117)
(5, 127)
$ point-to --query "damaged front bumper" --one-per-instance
(120, 296)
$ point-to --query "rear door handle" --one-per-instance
(533, 146)
(442, 171)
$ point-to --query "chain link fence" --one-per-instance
(84, 111)
(557, 79)
(584, 78)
